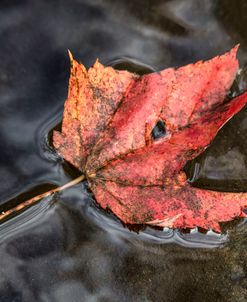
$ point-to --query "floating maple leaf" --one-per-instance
(132, 135)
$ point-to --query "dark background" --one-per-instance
(66, 248)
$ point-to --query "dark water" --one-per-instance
(66, 248)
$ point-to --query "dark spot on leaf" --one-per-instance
(159, 130)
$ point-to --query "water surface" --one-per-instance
(67, 248)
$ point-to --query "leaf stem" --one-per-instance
(34, 199)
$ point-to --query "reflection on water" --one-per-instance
(66, 248)
(130, 64)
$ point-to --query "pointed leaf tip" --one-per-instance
(71, 57)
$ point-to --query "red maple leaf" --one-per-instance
(132, 135)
